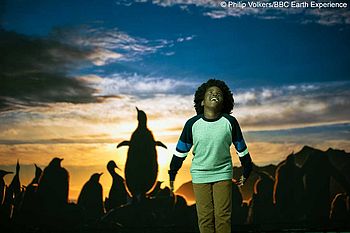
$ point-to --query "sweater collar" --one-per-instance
(212, 120)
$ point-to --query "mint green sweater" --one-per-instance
(211, 141)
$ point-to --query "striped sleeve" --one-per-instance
(241, 147)
(237, 138)
(185, 142)
(182, 148)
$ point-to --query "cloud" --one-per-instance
(309, 135)
(138, 85)
(168, 103)
(35, 71)
(212, 8)
(294, 105)
(109, 45)
(187, 38)
(329, 17)
(101, 56)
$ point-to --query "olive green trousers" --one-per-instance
(214, 206)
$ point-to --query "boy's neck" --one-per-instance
(209, 114)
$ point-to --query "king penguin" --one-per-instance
(91, 198)
(141, 168)
(53, 185)
(28, 209)
(37, 175)
(117, 194)
(2, 185)
(15, 185)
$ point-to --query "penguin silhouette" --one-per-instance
(339, 214)
(2, 185)
(91, 198)
(28, 208)
(9, 207)
(15, 194)
(262, 209)
(117, 194)
(53, 185)
(37, 175)
(289, 191)
(141, 168)
(15, 185)
(156, 189)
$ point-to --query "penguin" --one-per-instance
(2, 185)
(117, 194)
(37, 175)
(156, 189)
(15, 185)
(14, 197)
(141, 168)
(11, 198)
(91, 198)
(28, 208)
(53, 185)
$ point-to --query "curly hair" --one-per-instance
(228, 97)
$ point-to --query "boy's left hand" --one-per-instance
(171, 185)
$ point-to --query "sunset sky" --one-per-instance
(72, 73)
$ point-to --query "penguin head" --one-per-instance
(111, 165)
(141, 117)
(55, 162)
(96, 177)
(4, 173)
(17, 167)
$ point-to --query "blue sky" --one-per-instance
(72, 73)
(247, 50)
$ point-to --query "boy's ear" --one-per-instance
(202, 103)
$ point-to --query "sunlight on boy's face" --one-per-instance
(213, 98)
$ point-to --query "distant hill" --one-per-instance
(338, 158)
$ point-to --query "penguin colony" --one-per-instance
(45, 198)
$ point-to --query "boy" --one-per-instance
(211, 133)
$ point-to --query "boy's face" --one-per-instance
(213, 98)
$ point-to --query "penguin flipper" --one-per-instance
(124, 143)
(158, 143)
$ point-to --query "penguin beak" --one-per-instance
(137, 109)
(61, 159)
(101, 173)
